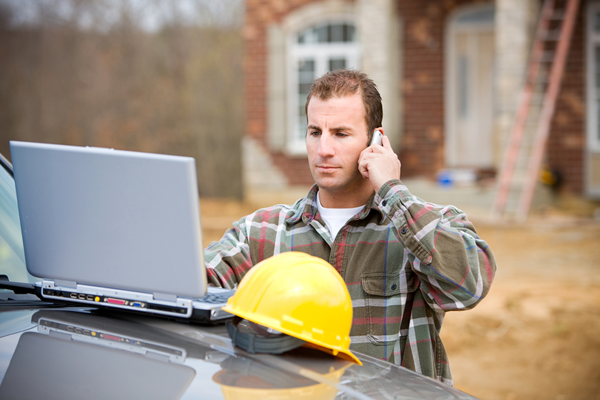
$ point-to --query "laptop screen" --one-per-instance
(110, 218)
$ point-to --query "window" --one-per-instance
(12, 256)
(314, 51)
(593, 85)
(592, 153)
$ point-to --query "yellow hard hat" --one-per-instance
(301, 296)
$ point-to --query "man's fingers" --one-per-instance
(363, 168)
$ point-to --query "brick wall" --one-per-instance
(567, 141)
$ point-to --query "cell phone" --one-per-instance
(377, 135)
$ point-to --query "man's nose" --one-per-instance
(326, 145)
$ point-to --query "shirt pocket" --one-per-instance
(385, 300)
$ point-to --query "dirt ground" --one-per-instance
(537, 334)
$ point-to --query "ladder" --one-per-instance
(527, 143)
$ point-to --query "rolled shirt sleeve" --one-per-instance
(454, 265)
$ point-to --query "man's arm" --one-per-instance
(455, 266)
(228, 260)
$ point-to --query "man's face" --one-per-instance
(337, 134)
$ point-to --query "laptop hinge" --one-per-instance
(65, 284)
(164, 297)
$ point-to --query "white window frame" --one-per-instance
(592, 148)
(592, 95)
(321, 53)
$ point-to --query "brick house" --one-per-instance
(450, 73)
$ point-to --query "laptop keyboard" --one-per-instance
(216, 298)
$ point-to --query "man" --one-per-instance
(405, 261)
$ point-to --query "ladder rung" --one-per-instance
(551, 36)
(517, 183)
(546, 57)
(537, 98)
(540, 79)
(537, 102)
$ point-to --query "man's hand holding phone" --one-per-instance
(378, 162)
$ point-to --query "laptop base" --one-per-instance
(196, 310)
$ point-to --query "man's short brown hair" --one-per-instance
(345, 82)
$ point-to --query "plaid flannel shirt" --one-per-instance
(405, 262)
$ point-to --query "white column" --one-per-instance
(515, 25)
(379, 30)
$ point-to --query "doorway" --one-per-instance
(470, 89)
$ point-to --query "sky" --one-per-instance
(102, 14)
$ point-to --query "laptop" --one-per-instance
(116, 229)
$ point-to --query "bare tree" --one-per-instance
(157, 76)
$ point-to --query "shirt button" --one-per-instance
(403, 231)
(394, 286)
(384, 203)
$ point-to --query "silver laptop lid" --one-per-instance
(111, 218)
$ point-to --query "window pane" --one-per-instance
(337, 63)
(349, 33)
(463, 86)
(306, 74)
(305, 67)
(478, 16)
(323, 34)
(337, 33)
(302, 127)
(303, 88)
(307, 36)
(328, 33)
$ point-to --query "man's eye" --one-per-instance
(341, 134)
(314, 133)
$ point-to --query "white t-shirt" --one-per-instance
(335, 218)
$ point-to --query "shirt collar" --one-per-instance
(307, 208)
